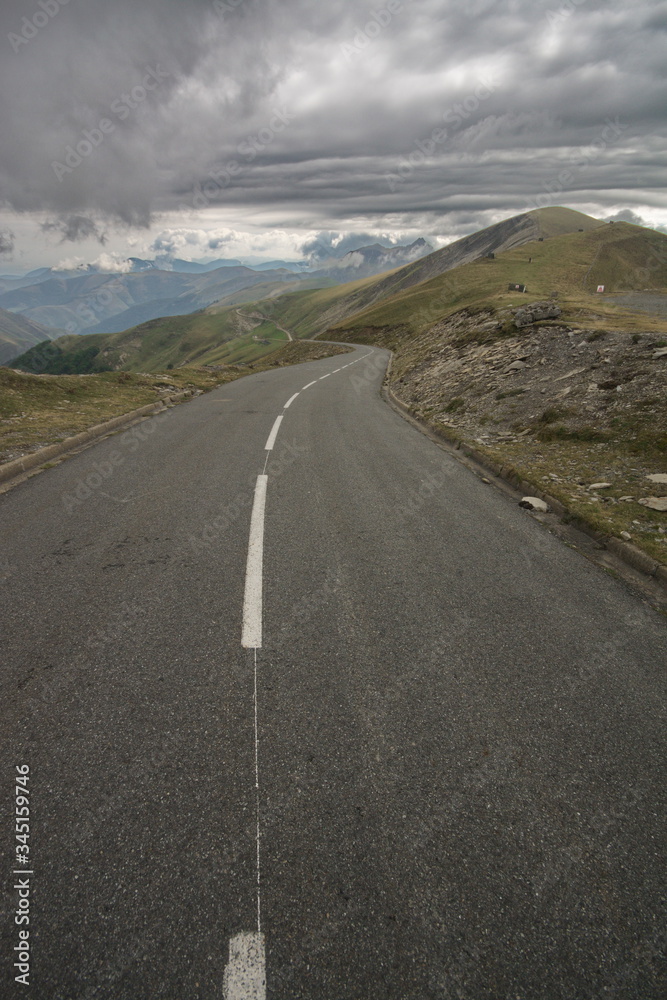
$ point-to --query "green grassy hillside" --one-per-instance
(621, 257)
(171, 342)
(556, 221)
(308, 313)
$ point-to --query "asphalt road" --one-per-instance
(404, 745)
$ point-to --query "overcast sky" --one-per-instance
(208, 128)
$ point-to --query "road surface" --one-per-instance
(310, 711)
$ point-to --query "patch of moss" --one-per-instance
(562, 433)
(454, 404)
(510, 392)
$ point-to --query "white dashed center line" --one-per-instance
(273, 435)
(245, 973)
(252, 602)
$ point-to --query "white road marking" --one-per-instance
(252, 602)
(274, 433)
(245, 975)
(259, 886)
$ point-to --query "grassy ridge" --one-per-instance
(206, 338)
(261, 342)
(622, 257)
(307, 313)
(152, 346)
(555, 221)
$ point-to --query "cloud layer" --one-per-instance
(420, 115)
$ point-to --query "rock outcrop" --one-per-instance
(536, 311)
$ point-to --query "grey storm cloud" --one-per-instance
(394, 114)
(626, 215)
(7, 239)
(71, 228)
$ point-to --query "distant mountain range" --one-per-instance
(17, 334)
(199, 267)
(374, 259)
(107, 303)
(549, 249)
(88, 299)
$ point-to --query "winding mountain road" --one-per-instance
(310, 711)
(265, 319)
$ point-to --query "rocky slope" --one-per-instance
(501, 382)
(581, 413)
